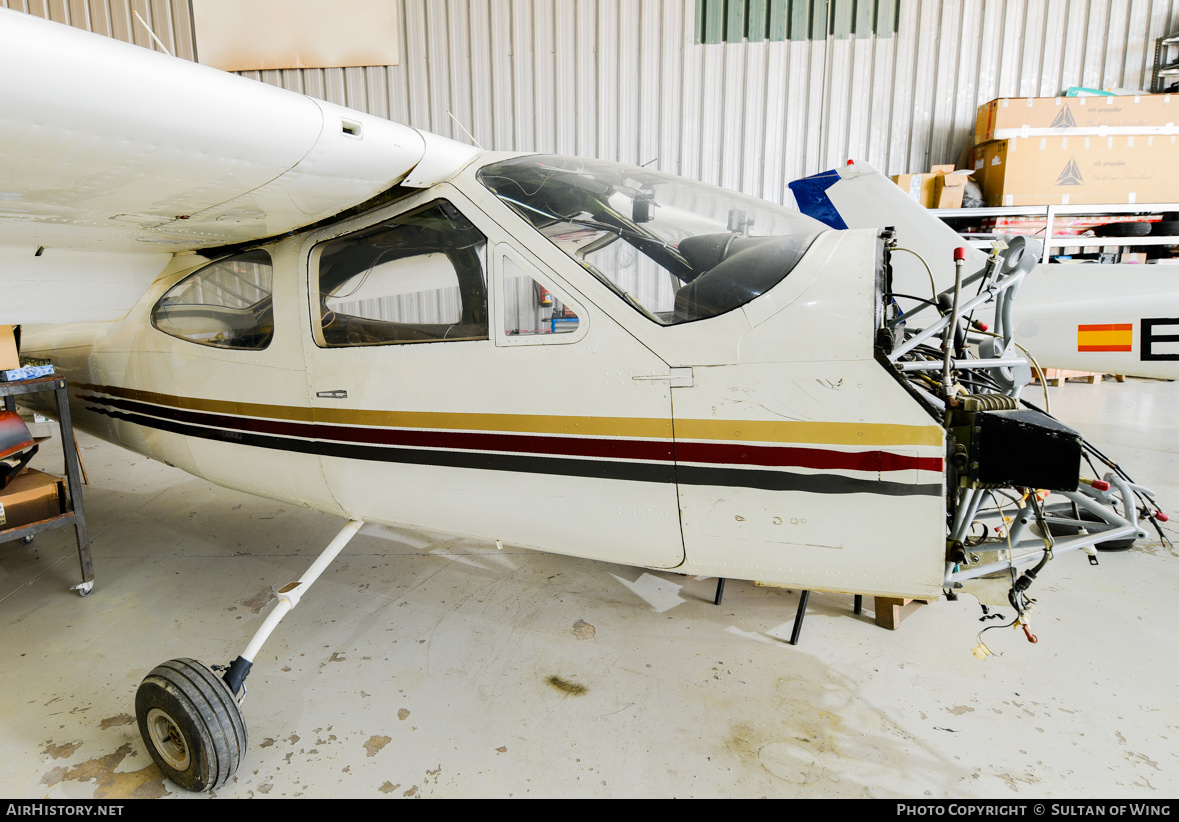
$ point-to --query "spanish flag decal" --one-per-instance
(1109, 337)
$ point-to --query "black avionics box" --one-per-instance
(1022, 449)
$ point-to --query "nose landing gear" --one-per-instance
(189, 717)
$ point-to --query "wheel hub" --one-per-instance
(167, 739)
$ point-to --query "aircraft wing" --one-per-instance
(115, 158)
(1118, 319)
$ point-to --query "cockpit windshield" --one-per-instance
(675, 249)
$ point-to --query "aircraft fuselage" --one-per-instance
(508, 392)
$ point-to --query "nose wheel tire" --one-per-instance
(191, 724)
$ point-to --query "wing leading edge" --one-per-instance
(122, 156)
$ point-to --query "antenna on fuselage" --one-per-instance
(152, 34)
(460, 125)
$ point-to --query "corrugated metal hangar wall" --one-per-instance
(749, 94)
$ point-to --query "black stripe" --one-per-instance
(562, 466)
(788, 481)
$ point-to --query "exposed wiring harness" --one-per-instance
(960, 370)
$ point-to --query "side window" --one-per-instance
(529, 308)
(419, 277)
(226, 304)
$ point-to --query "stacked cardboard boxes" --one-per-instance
(941, 187)
(1025, 117)
(1078, 150)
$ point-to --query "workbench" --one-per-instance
(73, 513)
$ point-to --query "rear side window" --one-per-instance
(226, 304)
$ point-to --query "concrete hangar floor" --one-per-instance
(422, 667)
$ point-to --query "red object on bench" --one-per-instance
(16, 446)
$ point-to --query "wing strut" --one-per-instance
(288, 598)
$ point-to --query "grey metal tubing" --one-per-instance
(1022, 520)
(1127, 500)
(965, 499)
(970, 507)
(1061, 547)
(937, 402)
(1003, 309)
(948, 579)
(992, 263)
(1123, 527)
(939, 324)
(1107, 513)
(930, 365)
(972, 513)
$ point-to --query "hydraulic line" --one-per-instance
(952, 325)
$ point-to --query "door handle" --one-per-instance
(338, 394)
(680, 377)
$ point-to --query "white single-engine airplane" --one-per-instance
(316, 305)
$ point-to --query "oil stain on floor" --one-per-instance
(566, 686)
(145, 783)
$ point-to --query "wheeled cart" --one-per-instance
(73, 512)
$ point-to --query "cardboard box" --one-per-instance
(1078, 170)
(31, 497)
(950, 188)
(918, 186)
(931, 188)
(1025, 117)
(8, 354)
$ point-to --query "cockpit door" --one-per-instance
(463, 387)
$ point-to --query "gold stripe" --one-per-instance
(515, 423)
(817, 433)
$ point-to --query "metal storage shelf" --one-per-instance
(1165, 73)
(1051, 212)
(75, 514)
